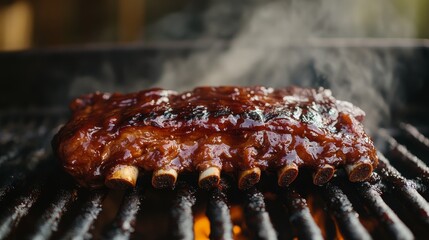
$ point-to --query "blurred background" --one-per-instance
(27, 24)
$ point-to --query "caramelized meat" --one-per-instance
(238, 130)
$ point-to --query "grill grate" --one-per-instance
(123, 224)
(300, 216)
(40, 202)
(344, 214)
(257, 218)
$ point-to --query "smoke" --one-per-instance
(281, 43)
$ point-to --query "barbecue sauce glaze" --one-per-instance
(232, 128)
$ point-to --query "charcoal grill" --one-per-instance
(39, 201)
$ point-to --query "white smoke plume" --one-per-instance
(281, 43)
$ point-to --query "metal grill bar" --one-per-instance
(396, 228)
(84, 221)
(219, 216)
(257, 218)
(300, 217)
(19, 209)
(123, 224)
(11, 182)
(181, 212)
(345, 216)
(415, 134)
(409, 159)
(30, 140)
(22, 205)
(37, 161)
(48, 223)
(405, 188)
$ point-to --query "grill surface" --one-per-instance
(39, 201)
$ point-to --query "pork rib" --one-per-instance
(209, 130)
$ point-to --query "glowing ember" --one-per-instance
(201, 227)
(202, 224)
(236, 229)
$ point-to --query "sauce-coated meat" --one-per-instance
(232, 129)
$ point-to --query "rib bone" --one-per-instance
(164, 178)
(122, 176)
(287, 174)
(248, 178)
(359, 171)
(323, 174)
(209, 178)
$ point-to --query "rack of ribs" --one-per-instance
(241, 131)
